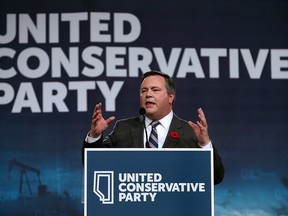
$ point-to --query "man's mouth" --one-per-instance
(147, 103)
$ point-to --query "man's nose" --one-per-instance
(148, 93)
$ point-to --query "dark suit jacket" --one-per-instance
(128, 133)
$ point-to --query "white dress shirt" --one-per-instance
(162, 128)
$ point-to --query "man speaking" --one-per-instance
(156, 127)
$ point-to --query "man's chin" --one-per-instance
(150, 112)
(150, 109)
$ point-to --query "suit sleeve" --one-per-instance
(219, 170)
(85, 145)
(106, 142)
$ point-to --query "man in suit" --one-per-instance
(157, 95)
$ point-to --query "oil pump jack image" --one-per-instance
(34, 198)
(24, 169)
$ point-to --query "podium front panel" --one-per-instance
(141, 182)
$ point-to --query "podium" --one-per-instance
(141, 182)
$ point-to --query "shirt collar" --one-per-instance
(165, 121)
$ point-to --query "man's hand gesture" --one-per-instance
(201, 128)
(99, 124)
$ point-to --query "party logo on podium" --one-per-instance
(104, 186)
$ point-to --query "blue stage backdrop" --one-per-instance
(59, 58)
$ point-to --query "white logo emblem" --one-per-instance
(104, 186)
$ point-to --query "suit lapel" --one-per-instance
(137, 134)
(177, 127)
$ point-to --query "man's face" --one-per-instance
(155, 98)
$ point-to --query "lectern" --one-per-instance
(141, 182)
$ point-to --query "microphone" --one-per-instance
(142, 112)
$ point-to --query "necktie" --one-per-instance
(153, 139)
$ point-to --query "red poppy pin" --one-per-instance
(174, 135)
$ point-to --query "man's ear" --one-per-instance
(171, 98)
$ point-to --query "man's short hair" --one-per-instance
(170, 85)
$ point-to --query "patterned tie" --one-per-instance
(153, 139)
